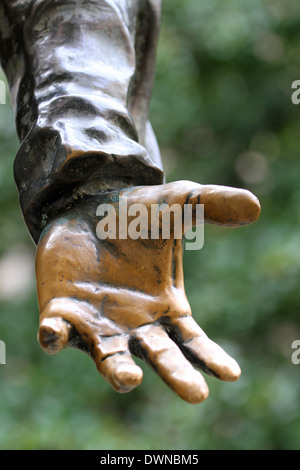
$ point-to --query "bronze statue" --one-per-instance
(80, 76)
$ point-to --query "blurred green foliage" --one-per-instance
(223, 114)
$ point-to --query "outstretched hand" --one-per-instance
(114, 298)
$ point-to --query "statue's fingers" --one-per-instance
(223, 205)
(227, 206)
(202, 351)
(114, 362)
(53, 334)
(60, 321)
(154, 345)
(71, 322)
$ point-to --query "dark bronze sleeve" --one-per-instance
(80, 75)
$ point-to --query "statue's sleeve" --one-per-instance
(80, 75)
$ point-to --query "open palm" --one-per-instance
(116, 298)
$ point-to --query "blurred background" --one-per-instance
(223, 114)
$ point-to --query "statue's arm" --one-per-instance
(80, 77)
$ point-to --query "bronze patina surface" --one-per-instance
(80, 76)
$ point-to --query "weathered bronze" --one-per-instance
(81, 74)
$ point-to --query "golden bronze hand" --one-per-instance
(117, 297)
